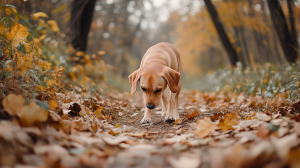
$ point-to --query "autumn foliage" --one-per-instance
(55, 110)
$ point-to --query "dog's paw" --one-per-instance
(169, 119)
(162, 113)
(146, 121)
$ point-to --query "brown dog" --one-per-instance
(160, 66)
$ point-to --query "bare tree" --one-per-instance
(222, 34)
(288, 42)
(81, 19)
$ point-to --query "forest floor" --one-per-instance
(214, 131)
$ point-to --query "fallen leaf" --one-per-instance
(263, 132)
(115, 141)
(177, 126)
(33, 113)
(117, 125)
(263, 116)
(229, 120)
(13, 104)
(128, 128)
(98, 112)
(296, 105)
(75, 109)
(184, 161)
(192, 114)
(54, 152)
(205, 127)
(53, 105)
(178, 121)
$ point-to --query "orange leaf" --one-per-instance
(192, 115)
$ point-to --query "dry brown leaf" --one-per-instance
(296, 128)
(296, 105)
(75, 109)
(229, 120)
(55, 152)
(33, 113)
(67, 126)
(185, 161)
(193, 114)
(131, 121)
(205, 127)
(263, 132)
(215, 116)
(115, 141)
(263, 116)
(293, 158)
(13, 104)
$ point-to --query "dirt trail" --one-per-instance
(215, 131)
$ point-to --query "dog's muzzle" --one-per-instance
(150, 106)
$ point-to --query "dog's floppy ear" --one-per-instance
(133, 80)
(172, 77)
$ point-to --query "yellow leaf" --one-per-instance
(101, 52)
(117, 125)
(53, 25)
(36, 16)
(13, 104)
(98, 112)
(41, 23)
(43, 31)
(27, 47)
(8, 11)
(228, 121)
(53, 105)
(18, 34)
(2, 28)
(33, 113)
(37, 41)
(42, 37)
(6, 53)
(204, 127)
(87, 110)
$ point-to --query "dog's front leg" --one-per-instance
(147, 116)
(171, 107)
(164, 103)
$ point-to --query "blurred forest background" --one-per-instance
(122, 30)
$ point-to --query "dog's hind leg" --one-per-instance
(164, 102)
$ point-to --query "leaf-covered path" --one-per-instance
(215, 130)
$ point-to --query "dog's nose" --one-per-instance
(150, 106)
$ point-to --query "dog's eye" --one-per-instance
(144, 89)
(157, 91)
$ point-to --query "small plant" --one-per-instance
(36, 59)
(264, 80)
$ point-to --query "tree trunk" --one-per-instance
(241, 55)
(222, 34)
(289, 48)
(292, 24)
(81, 19)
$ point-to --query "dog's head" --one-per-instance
(153, 82)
